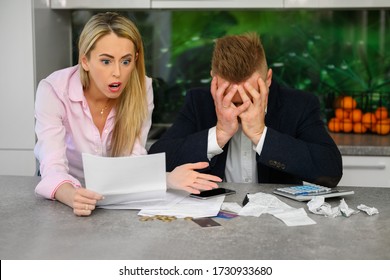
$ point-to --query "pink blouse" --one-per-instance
(65, 129)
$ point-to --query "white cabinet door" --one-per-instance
(366, 171)
(17, 138)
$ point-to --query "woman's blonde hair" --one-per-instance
(237, 57)
(131, 110)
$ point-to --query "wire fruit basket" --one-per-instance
(359, 113)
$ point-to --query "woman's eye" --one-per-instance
(126, 62)
(106, 61)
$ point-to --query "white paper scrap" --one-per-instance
(345, 210)
(317, 205)
(295, 217)
(369, 210)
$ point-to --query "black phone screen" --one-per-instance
(213, 192)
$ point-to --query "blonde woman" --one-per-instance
(101, 106)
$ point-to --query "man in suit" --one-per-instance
(249, 128)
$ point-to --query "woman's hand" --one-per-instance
(184, 177)
(83, 201)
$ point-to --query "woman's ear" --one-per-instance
(84, 63)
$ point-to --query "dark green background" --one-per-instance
(326, 52)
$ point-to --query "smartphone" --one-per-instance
(213, 193)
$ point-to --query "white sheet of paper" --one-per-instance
(172, 197)
(189, 207)
(133, 181)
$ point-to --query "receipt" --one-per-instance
(262, 203)
(295, 217)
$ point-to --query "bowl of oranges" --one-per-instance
(349, 118)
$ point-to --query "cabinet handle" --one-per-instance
(357, 166)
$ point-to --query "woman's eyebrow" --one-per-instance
(110, 56)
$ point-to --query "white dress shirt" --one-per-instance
(241, 158)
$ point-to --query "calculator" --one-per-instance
(305, 190)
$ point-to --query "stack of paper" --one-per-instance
(139, 182)
(189, 207)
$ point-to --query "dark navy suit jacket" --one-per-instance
(297, 146)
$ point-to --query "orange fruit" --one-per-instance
(334, 125)
(381, 113)
(383, 127)
(346, 125)
(359, 128)
(348, 103)
(369, 120)
(356, 115)
(341, 114)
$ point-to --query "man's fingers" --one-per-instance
(263, 92)
(227, 99)
(218, 90)
(243, 107)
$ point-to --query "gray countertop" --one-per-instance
(36, 228)
(362, 144)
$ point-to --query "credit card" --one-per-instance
(226, 215)
(206, 222)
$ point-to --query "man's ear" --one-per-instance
(213, 76)
(269, 77)
(84, 63)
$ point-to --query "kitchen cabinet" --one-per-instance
(217, 4)
(17, 137)
(371, 171)
(225, 4)
(335, 4)
(366, 159)
(30, 46)
(100, 4)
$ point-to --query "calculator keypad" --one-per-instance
(305, 190)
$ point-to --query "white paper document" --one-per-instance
(133, 182)
(189, 207)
